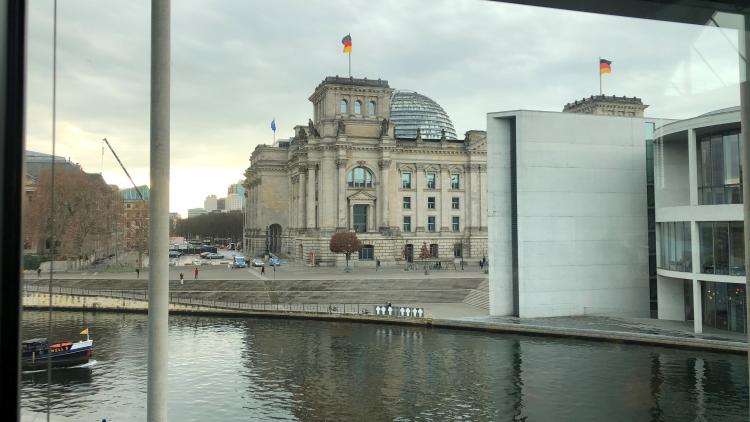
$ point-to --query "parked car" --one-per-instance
(214, 256)
(239, 261)
(258, 262)
(205, 254)
(275, 261)
(175, 254)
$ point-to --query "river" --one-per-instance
(230, 369)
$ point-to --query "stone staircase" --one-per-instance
(479, 297)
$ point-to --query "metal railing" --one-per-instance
(175, 298)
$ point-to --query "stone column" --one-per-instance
(697, 308)
(311, 223)
(692, 167)
(484, 204)
(696, 268)
(475, 204)
(385, 166)
(445, 199)
(327, 189)
(420, 217)
(301, 222)
(342, 183)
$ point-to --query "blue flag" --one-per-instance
(273, 125)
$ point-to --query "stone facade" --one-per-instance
(345, 170)
(606, 105)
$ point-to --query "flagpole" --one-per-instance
(350, 64)
(600, 75)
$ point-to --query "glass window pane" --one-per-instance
(357, 107)
(371, 107)
(705, 163)
(737, 245)
(721, 247)
(343, 106)
(717, 161)
(707, 247)
(731, 159)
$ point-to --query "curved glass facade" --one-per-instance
(719, 168)
(411, 111)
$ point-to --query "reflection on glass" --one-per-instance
(722, 247)
(719, 169)
(675, 252)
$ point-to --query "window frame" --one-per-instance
(457, 184)
(404, 222)
(431, 223)
(404, 183)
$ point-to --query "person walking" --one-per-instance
(262, 270)
(195, 273)
(38, 273)
(137, 273)
(182, 278)
(377, 264)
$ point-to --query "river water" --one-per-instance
(233, 369)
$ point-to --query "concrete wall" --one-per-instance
(499, 132)
(671, 177)
(582, 236)
(671, 296)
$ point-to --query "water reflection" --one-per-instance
(230, 369)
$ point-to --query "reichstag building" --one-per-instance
(384, 163)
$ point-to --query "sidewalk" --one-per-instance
(286, 272)
(629, 330)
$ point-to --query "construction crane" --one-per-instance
(124, 169)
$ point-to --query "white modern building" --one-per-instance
(234, 202)
(211, 203)
(568, 219)
(700, 236)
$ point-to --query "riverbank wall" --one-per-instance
(70, 302)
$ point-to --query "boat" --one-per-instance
(35, 353)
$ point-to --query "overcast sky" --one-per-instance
(238, 64)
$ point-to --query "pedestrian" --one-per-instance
(195, 273)
(38, 273)
(137, 273)
(182, 278)
(262, 269)
(377, 264)
(481, 264)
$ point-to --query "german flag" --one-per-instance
(347, 41)
(604, 66)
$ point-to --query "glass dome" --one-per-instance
(411, 111)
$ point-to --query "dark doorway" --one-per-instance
(409, 253)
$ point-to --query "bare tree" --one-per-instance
(346, 243)
(77, 220)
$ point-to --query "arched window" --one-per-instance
(359, 177)
(357, 107)
(344, 106)
(371, 107)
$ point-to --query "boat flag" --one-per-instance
(86, 331)
(347, 41)
(273, 125)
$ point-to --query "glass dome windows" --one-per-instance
(359, 177)
(411, 112)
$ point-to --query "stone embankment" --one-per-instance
(373, 291)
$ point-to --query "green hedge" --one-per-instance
(31, 262)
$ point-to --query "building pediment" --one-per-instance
(361, 196)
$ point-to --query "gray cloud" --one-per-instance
(238, 64)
